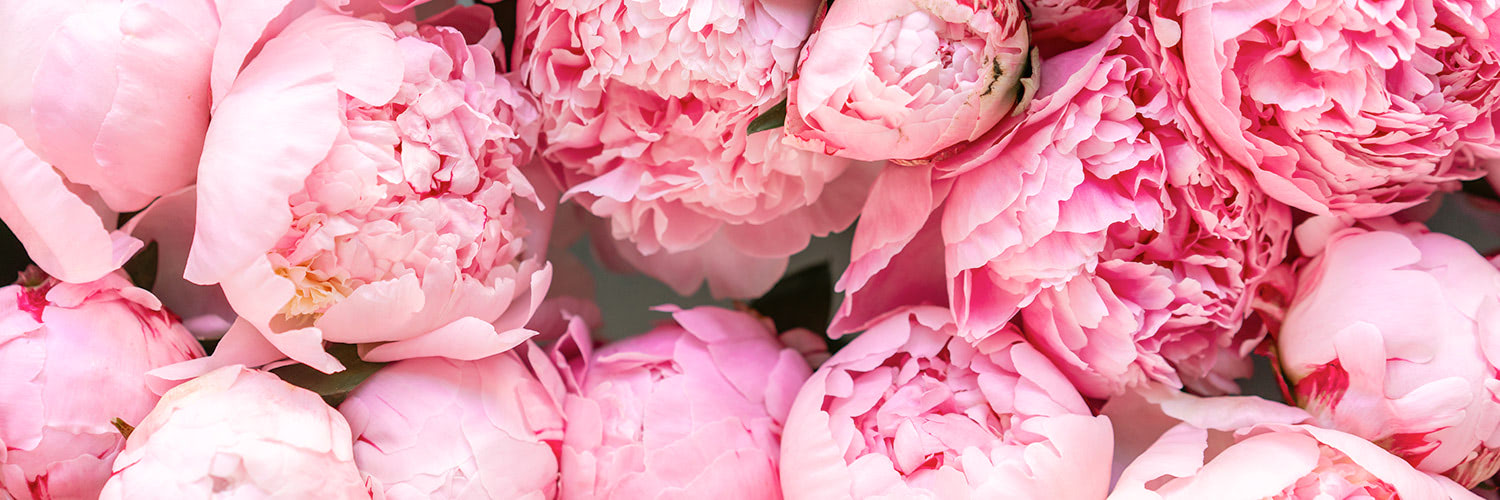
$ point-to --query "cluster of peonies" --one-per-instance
(321, 248)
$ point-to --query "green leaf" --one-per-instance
(334, 387)
(142, 266)
(772, 118)
(802, 299)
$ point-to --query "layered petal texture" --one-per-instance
(1391, 336)
(646, 106)
(1337, 107)
(238, 433)
(692, 409)
(74, 357)
(364, 183)
(1131, 251)
(908, 410)
(441, 428)
(1061, 25)
(894, 79)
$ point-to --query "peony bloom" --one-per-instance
(645, 107)
(1131, 252)
(112, 101)
(1391, 336)
(907, 410)
(238, 433)
(57, 441)
(442, 428)
(1336, 107)
(363, 183)
(1250, 448)
(691, 409)
(884, 79)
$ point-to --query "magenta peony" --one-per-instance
(691, 409)
(363, 183)
(238, 433)
(1336, 107)
(1391, 336)
(646, 106)
(884, 79)
(74, 357)
(441, 428)
(908, 410)
(1251, 448)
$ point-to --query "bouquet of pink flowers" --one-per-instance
(750, 249)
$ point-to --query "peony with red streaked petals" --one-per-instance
(1391, 336)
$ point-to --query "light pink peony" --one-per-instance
(895, 79)
(113, 95)
(1391, 336)
(1336, 107)
(645, 107)
(73, 357)
(363, 183)
(1250, 448)
(441, 428)
(691, 409)
(908, 410)
(238, 433)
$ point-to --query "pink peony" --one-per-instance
(73, 357)
(691, 409)
(1336, 107)
(1133, 252)
(883, 79)
(238, 433)
(1250, 448)
(114, 94)
(363, 183)
(645, 108)
(907, 410)
(441, 428)
(1391, 336)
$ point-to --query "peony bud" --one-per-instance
(74, 357)
(691, 409)
(442, 428)
(1392, 336)
(238, 433)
